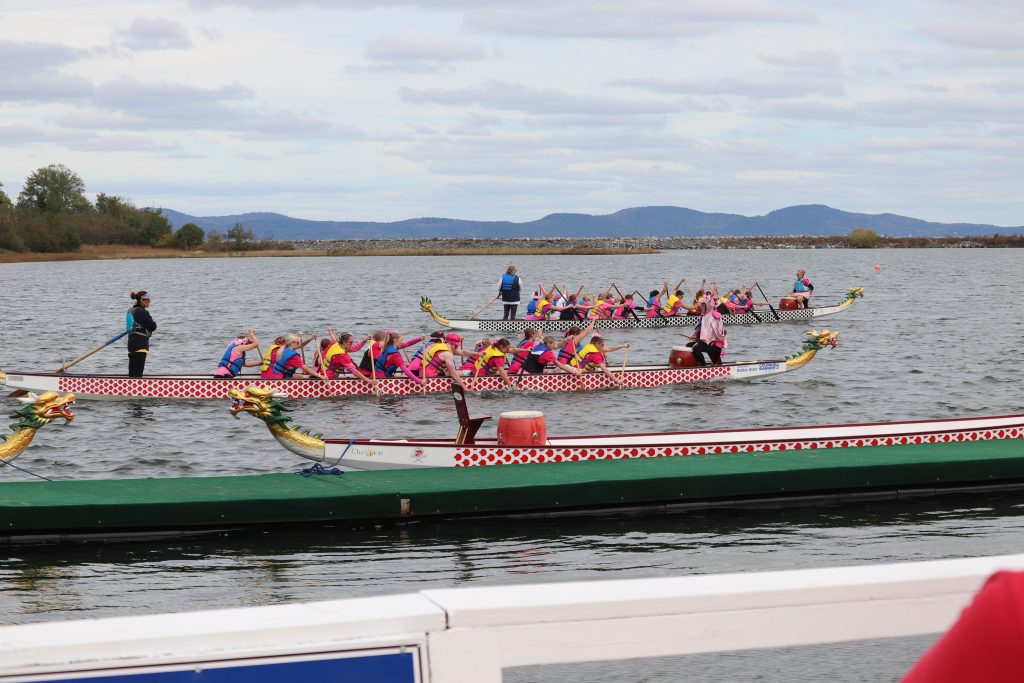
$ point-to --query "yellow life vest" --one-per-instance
(487, 354)
(266, 357)
(670, 304)
(332, 351)
(594, 312)
(583, 353)
(431, 352)
(541, 310)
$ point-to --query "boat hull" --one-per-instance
(764, 316)
(204, 387)
(374, 454)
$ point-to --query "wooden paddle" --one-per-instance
(22, 392)
(481, 309)
(774, 312)
(625, 356)
(635, 317)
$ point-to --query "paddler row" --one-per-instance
(581, 305)
(436, 356)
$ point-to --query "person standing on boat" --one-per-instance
(802, 289)
(140, 326)
(509, 287)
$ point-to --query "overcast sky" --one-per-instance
(475, 109)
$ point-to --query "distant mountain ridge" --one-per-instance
(655, 221)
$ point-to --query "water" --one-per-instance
(936, 335)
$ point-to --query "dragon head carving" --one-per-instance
(266, 405)
(855, 293)
(38, 411)
(427, 307)
(43, 409)
(819, 340)
(262, 403)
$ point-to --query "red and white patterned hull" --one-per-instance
(371, 454)
(207, 387)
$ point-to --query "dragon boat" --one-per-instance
(208, 387)
(36, 413)
(465, 450)
(751, 318)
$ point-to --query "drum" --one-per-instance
(522, 428)
(682, 357)
(787, 303)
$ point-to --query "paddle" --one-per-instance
(481, 309)
(22, 392)
(617, 291)
(774, 312)
(625, 356)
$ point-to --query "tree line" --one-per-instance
(52, 214)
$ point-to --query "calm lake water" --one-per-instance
(937, 334)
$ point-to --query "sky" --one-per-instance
(391, 109)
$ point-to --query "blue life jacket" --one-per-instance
(510, 284)
(378, 365)
(282, 358)
(531, 307)
(234, 367)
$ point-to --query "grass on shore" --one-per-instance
(103, 252)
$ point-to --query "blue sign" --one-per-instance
(390, 667)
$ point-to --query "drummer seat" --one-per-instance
(468, 424)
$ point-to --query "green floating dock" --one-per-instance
(109, 507)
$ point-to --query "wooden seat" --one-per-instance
(468, 424)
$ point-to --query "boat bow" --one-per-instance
(267, 406)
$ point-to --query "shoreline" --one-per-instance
(522, 246)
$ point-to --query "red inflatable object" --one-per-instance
(985, 644)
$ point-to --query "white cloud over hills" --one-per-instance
(348, 110)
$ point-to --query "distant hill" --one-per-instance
(659, 221)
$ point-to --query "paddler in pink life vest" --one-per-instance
(439, 358)
(336, 359)
(392, 360)
(571, 341)
(285, 360)
(522, 350)
(802, 289)
(233, 360)
(625, 306)
(492, 361)
(594, 356)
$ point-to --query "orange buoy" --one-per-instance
(682, 357)
(522, 428)
(877, 267)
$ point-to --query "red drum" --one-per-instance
(682, 357)
(787, 303)
(522, 428)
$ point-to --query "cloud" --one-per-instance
(153, 34)
(413, 46)
(30, 72)
(639, 19)
(761, 88)
(539, 101)
(974, 35)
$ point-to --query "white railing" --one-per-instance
(468, 635)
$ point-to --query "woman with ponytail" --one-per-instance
(140, 326)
